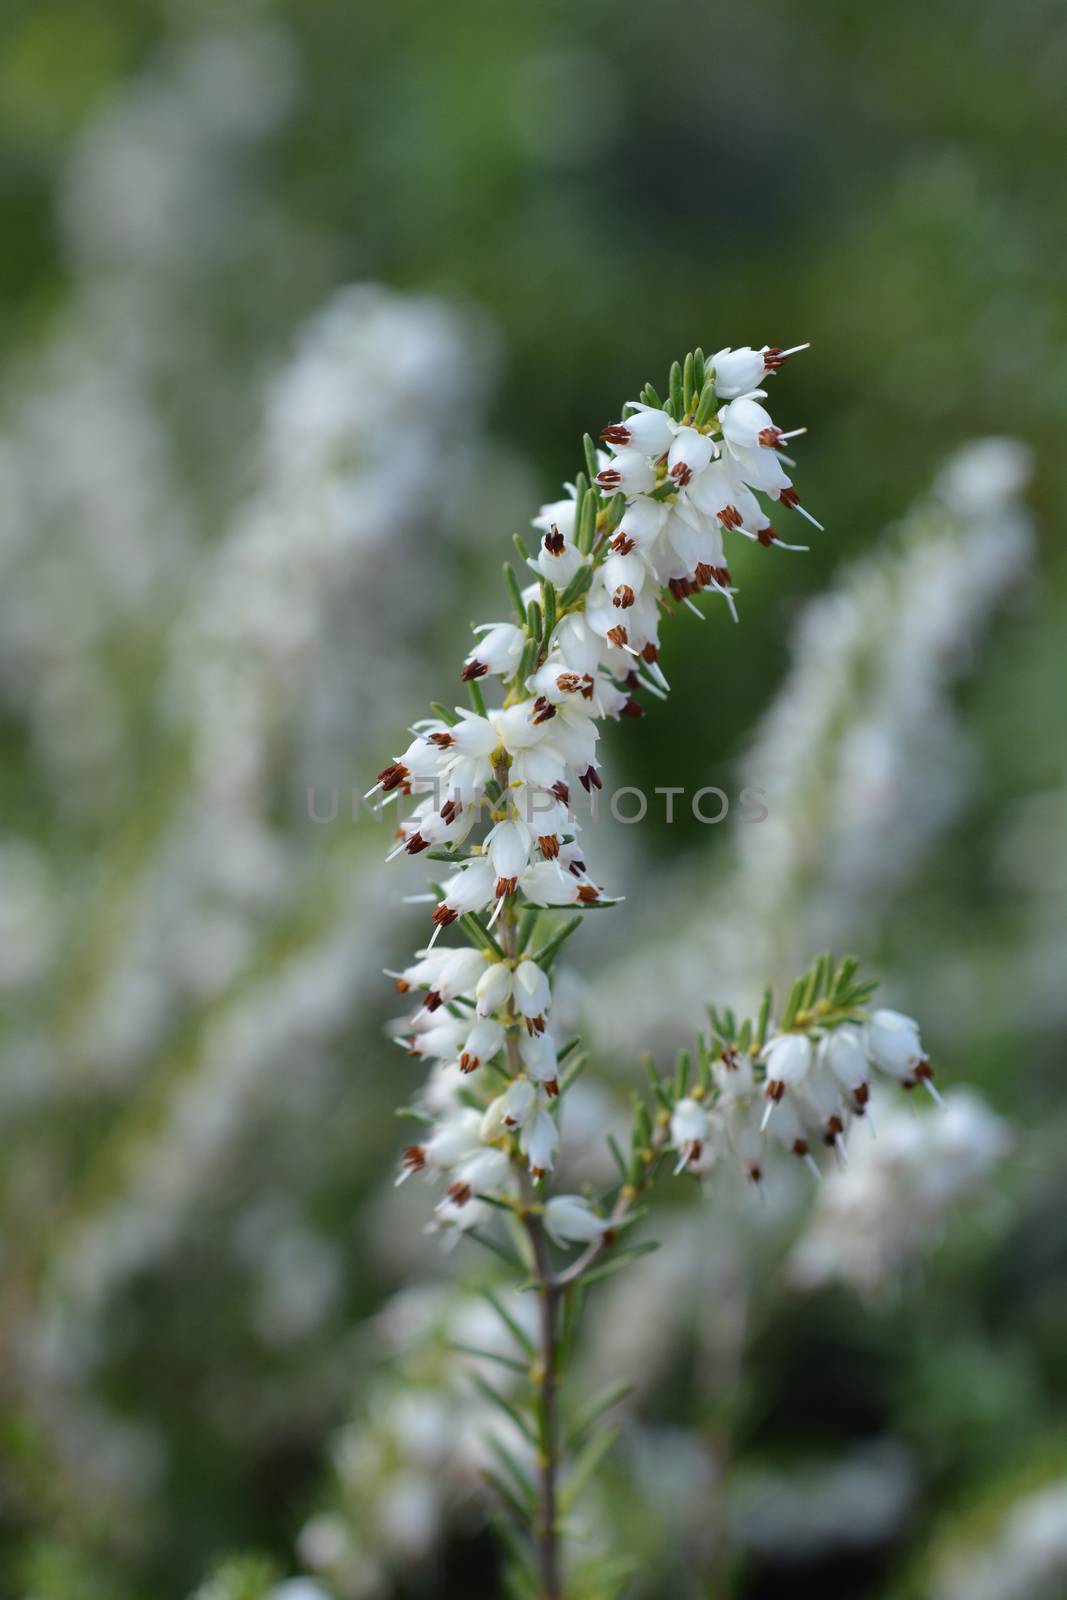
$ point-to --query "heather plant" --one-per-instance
(487, 792)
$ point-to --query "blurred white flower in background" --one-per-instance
(1026, 1559)
(884, 1213)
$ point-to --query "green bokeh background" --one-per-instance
(614, 184)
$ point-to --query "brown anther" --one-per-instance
(451, 810)
(800, 1147)
(610, 478)
(549, 846)
(537, 1173)
(924, 1072)
(402, 986)
(588, 684)
(632, 708)
(834, 1127)
(730, 517)
(722, 577)
(416, 843)
(766, 536)
(561, 792)
(414, 1158)
(618, 635)
(860, 1096)
(432, 1001)
(552, 1087)
(587, 894)
(442, 740)
(650, 653)
(535, 1025)
(618, 433)
(576, 869)
(769, 438)
(443, 916)
(704, 574)
(774, 1090)
(590, 779)
(622, 544)
(504, 887)
(459, 1193)
(568, 683)
(544, 710)
(392, 777)
(680, 588)
(468, 1063)
(554, 542)
(774, 357)
(729, 1058)
(681, 473)
(789, 497)
(473, 669)
(624, 596)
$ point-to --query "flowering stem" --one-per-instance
(546, 1532)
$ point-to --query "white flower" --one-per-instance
(739, 371)
(689, 1131)
(497, 651)
(558, 559)
(483, 1041)
(788, 1057)
(539, 1058)
(539, 1141)
(513, 1109)
(893, 1045)
(452, 1140)
(646, 429)
(532, 995)
(842, 1053)
(630, 471)
(689, 454)
(493, 989)
(569, 1219)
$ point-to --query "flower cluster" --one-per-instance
(643, 528)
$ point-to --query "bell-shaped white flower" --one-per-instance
(788, 1057)
(459, 974)
(739, 371)
(623, 577)
(641, 525)
(558, 559)
(497, 652)
(747, 424)
(689, 454)
(493, 989)
(539, 1058)
(509, 845)
(452, 1140)
(630, 472)
(482, 1043)
(893, 1045)
(569, 1219)
(843, 1053)
(645, 429)
(539, 1141)
(532, 995)
(469, 889)
(514, 1108)
(688, 1130)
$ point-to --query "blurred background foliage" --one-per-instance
(571, 195)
